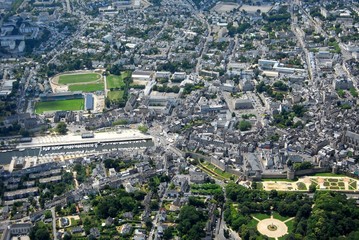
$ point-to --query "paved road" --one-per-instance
(74, 174)
(54, 223)
(106, 89)
(149, 87)
(199, 59)
(21, 104)
(68, 6)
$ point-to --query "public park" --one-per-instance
(69, 89)
(320, 181)
(274, 225)
(288, 214)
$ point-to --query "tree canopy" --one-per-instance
(330, 215)
(244, 125)
(61, 128)
(40, 232)
(191, 223)
(116, 203)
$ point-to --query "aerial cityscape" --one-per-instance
(179, 119)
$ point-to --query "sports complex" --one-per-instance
(84, 81)
(81, 90)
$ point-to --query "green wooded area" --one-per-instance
(329, 215)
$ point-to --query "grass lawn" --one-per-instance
(92, 87)
(78, 236)
(277, 180)
(290, 229)
(314, 182)
(261, 216)
(279, 217)
(115, 81)
(74, 222)
(290, 225)
(301, 186)
(206, 170)
(78, 78)
(68, 105)
(259, 185)
(115, 95)
(328, 175)
(253, 223)
(217, 170)
(222, 173)
(353, 184)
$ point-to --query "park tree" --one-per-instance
(148, 224)
(168, 233)
(48, 214)
(303, 165)
(61, 128)
(24, 132)
(67, 236)
(142, 128)
(39, 232)
(244, 125)
(333, 215)
(191, 223)
(312, 188)
(115, 69)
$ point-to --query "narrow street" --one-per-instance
(74, 174)
(54, 223)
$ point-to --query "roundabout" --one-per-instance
(272, 228)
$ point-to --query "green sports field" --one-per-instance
(91, 87)
(115, 95)
(62, 105)
(78, 78)
(115, 81)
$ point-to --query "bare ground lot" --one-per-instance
(225, 7)
(251, 9)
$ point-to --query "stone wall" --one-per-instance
(312, 171)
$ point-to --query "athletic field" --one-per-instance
(90, 87)
(78, 78)
(62, 105)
